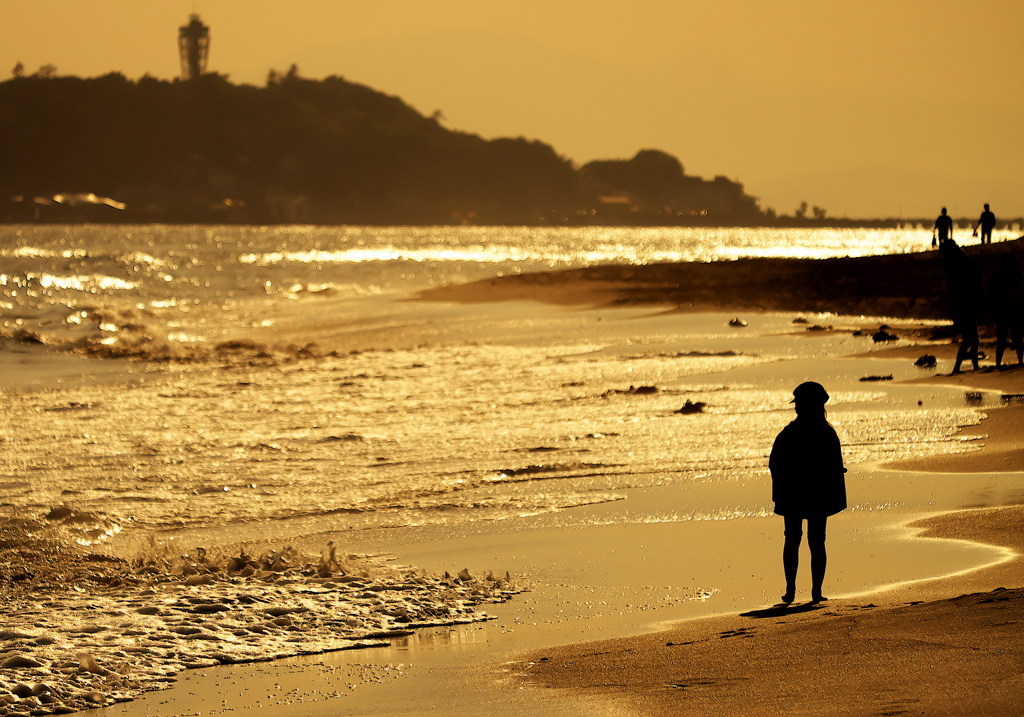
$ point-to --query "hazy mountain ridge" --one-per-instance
(320, 151)
(860, 152)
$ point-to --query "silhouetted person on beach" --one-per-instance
(966, 288)
(987, 222)
(943, 229)
(1006, 297)
(807, 484)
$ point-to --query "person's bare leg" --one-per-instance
(819, 557)
(974, 349)
(961, 354)
(791, 555)
(1002, 334)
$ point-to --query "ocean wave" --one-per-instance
(549, 471)
(116, 628)
(35, 252)
(79, 527)
(85, 283)
(108, 332)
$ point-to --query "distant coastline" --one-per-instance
(17, 215)
(110, 150)
(111, 217)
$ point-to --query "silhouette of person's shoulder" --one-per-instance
(805, 435)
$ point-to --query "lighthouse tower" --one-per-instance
(194, 47)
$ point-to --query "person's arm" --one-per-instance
(837, 452)
(778, 464)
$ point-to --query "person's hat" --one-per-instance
(810, 391)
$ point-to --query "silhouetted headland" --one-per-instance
(112, 150)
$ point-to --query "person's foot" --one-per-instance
(818, 597)
(789, 597)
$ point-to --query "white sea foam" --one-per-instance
(87, 631)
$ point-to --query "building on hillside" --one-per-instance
(193, 47)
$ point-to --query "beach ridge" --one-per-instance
(898, 285)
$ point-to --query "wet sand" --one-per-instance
(949, 647)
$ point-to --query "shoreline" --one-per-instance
(701, 676)
(896, 285)
(942, 646)
(139, 708)
(428, 667)
(937, 646)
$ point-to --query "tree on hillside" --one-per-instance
(658, 183)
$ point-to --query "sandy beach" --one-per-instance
(948, 646)
(629, 582)
(951, 647)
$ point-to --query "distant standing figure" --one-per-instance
(1006, 297)
(987, 222)
(807, 484)
(943, 228)
(966, 288)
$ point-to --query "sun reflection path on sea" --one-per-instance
(592, 245)
(151, 286)
(259, 409)
(365, 440)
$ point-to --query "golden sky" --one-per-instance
(867, 108)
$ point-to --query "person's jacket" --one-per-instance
(807, 470)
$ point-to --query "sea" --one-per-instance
(174, 387)
(284, 381)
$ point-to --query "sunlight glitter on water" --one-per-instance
(557, 247)
(364, 441)
(468, 416)
(235, 270)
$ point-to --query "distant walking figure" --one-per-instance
(987, 222)
(966, 288)
(943, 228)
(1006, 297)
(807, 484)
